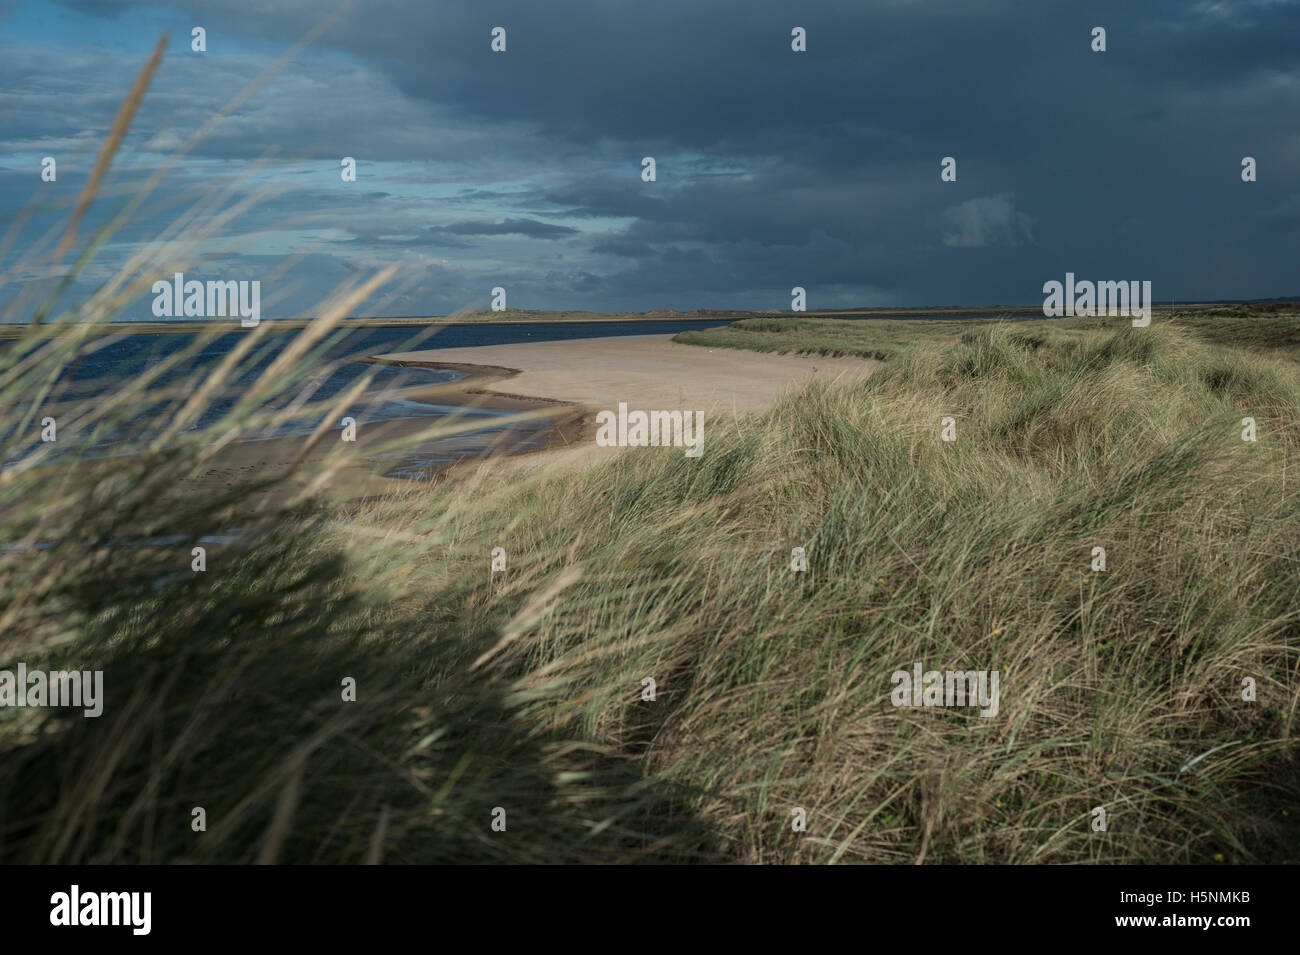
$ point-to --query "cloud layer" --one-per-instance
(774, 168)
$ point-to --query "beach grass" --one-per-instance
(1273, 329)
(1123, 689)
(524, 690)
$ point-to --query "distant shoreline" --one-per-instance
(528, 317)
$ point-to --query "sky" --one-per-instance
(523, 170)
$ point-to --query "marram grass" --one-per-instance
(523, 689)
(1121, 689)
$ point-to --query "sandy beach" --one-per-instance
(645, 371)
(569, 381)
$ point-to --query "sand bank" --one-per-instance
(567, 382)
(648, 372)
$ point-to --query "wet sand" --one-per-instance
(360, 468)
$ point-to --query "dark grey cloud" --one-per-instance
(774, 169)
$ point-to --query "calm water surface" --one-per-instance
(113, 360)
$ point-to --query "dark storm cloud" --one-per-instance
(682, 74)
(818, 169)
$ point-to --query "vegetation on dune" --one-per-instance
(523, 689)
(1122, 689)
(1270, 329)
